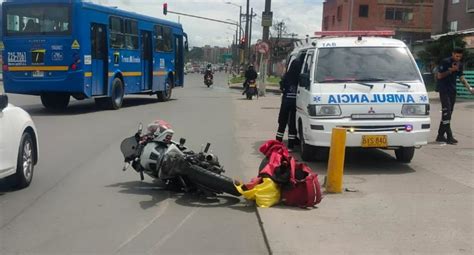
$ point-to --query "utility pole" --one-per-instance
(265, 15)
(240, 22)
(246, 50)
(250, 37)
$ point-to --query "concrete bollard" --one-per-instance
(337, 154)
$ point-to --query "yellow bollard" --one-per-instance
(336, 161)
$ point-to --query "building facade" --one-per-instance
(452, 16)
(410, 19)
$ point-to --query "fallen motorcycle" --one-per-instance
(158, 156)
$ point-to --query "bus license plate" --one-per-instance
(372, 141)
(38, 74)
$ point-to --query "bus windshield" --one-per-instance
(365, 64)
(37, 20)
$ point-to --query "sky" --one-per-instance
(302, 17)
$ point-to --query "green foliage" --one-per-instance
(442, 48)
(237, 79)
(273, 80)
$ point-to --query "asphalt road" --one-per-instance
(80, 201)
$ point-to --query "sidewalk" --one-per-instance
(421, 208)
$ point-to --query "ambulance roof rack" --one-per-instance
(307, 41)
(358, 33)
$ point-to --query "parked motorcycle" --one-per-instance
(208, 80)
(251, 89)
(158, 156)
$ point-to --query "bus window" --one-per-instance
(44, 19)
(116, 33)
(164, 40)
(131, 34)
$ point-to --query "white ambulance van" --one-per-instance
(366, 83)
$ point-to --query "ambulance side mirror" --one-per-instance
(304, 81)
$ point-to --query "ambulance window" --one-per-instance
(308, 63)
(363, 63)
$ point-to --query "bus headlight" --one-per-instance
(416, 109)
(327, 110)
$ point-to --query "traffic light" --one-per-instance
(165, 8)
(242, 43)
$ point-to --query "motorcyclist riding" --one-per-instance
(209, 72)
(250, 74)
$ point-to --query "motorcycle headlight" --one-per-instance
(416, 109)
(324, 110)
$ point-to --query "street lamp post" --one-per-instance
(240, 27)
(240, 17)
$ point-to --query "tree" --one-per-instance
(442, 48)
(279, 28)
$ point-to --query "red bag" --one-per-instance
(304, 189)
(300, 185)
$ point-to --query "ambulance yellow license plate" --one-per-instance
(374, 141)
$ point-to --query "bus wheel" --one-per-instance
(55, 101)
(116, 99)
(165, 95)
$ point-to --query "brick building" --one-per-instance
(410, 19)
(452, 15)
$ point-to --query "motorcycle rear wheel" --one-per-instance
(211, 180)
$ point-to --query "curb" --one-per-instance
(268, 88)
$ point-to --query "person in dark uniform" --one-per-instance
(287, 115)
(250, 74)
(448, 71)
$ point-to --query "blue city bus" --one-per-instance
(62, 48)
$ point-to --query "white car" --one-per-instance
(18, 144)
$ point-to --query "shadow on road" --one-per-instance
(86, 107)
(158, 193)
(358, 161)
(6, 187)
(196, 200)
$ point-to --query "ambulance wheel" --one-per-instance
(321, 153)
(307, 151)
(405, 154)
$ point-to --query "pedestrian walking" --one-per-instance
(448, 71)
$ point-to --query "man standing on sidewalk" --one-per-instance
(448, 71)
(287, 115)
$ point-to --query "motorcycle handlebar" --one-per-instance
(207, 147)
